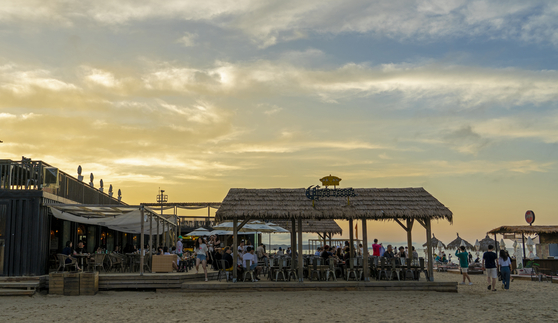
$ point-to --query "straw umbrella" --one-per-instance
(457, 243)
(435, 242)
(485, 242)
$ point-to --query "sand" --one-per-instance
(531, 301)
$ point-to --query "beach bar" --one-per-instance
(402, 205)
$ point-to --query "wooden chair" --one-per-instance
(247, 270)
(62, 262)
(115, 262)
(98, 261)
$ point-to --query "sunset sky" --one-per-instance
(196, 97)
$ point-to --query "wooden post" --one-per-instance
(300, 262)
(235, 249)
(157, 242)
(524, 256)
(325, 235)
(410, 239)
(429, 249)
(293, 242)
(150, 232)
(365, 251)
(330, 234)
(142, 242)
(351, 244)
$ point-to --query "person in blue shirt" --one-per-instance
(463, 257)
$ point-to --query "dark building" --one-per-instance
(30, 236)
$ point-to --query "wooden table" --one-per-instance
(81, 257)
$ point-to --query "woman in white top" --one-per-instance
(201, 256)
(505, 264)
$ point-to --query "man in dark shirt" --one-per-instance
(326, 254)
(80, 248)
(389, 252)
(228, 258)
(489, 263)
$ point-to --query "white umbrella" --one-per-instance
(502, 244)
(199, 232)
(440, 246)
(462, 244)
(530, 245)
(228, 226)
(477, 247)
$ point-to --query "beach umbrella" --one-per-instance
(435, 242)
(457, 243)
(440, 246)
(477, 247)
(485, 242)
(530, 245)
(199, 232)
(518, 252)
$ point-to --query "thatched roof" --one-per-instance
(313, 226)
(457, 243)
(435, 242)
(485, 242)
(525, 229)
(371, 203)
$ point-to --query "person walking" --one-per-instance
(490, 264)
(201, 256)
(462, 255)
(505, 263)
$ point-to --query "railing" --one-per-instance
(38, 175)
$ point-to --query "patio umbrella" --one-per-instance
(530, 245)
(440, 246)
(485, 242)
(199, 232)
(457, 243)
(518, 252)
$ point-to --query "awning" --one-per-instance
(116, 217)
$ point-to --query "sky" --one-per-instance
(197, 97)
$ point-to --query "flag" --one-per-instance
(356, 231)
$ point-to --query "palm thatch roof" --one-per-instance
(485, 242)
(371, 203)
(457, 243)
(435, 242)
(525, 229)
(313, 226)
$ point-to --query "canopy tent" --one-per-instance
(120, 218)
(229, 226)
(361, 204)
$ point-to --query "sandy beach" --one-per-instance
(470, 303)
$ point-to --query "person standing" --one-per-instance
(505, 264)
(201, 256)
(490, 263)
(376, 248)
(462, 255)
(179, 246)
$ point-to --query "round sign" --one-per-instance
(530, 217)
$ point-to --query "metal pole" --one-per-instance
(293, 241)
(150, 233)
(142, 242)
(410, 239)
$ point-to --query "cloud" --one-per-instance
(275, 21)
(188, 40)
(465, 140)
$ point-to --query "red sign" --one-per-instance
(530, 217)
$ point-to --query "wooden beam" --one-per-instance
(365, 251)
(300, 261)
(235, 249)
(429, 250)
(243, 223)
(157, 245)
(293, 242)
(150, 233)
(421, 223)
(142, 243)
(351, 243)
(409, 239)
(401, 224)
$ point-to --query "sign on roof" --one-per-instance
(330, 181)
(530, 217)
